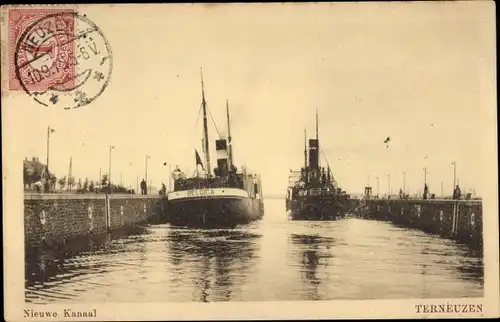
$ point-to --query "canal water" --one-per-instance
(270, 260)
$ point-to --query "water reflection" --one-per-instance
(52, 263)
(467, 262)
(271, 260)
(313, 251)
(213, 260)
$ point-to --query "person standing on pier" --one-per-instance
(400, 193)
(426, 191)
(45, 178)
(38, 186)
(163, 190)
(457, 193)
(143, 187)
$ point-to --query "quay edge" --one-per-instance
(70, 222)
(461, 220)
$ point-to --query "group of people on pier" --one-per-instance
(457, 194)
(144, 188)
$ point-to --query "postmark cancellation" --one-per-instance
(58, 57)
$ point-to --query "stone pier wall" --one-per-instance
(456, 219)
(53, 219)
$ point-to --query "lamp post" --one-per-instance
(454, 163)
(426, 189)
(70, 171)
(47, 179)
(48, 144)
(389, 182)
(404, 182)
(146, 172)
(111, 147)
(377, 187)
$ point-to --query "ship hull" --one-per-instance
(300, 210)
(214, 211)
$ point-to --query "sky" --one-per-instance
(422, 76)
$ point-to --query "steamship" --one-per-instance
(313, 193)
(227, 197)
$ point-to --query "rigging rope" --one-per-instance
(196, 123)
(327, 163)
(198, 117)
(324, 155)
(213, 121)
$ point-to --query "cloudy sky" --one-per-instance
(422, 76)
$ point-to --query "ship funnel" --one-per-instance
(222, 157)
(313, 154)
(314, 173)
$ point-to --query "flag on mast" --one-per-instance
(198, 159)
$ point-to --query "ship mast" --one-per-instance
(205, 127)
(230, 147)
(317, 138)
(317, 124)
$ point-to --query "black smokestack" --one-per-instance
(313, 154)
(222, 157)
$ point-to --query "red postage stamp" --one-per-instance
(40, 43)
(59, 57)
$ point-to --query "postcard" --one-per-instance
(249, 161)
